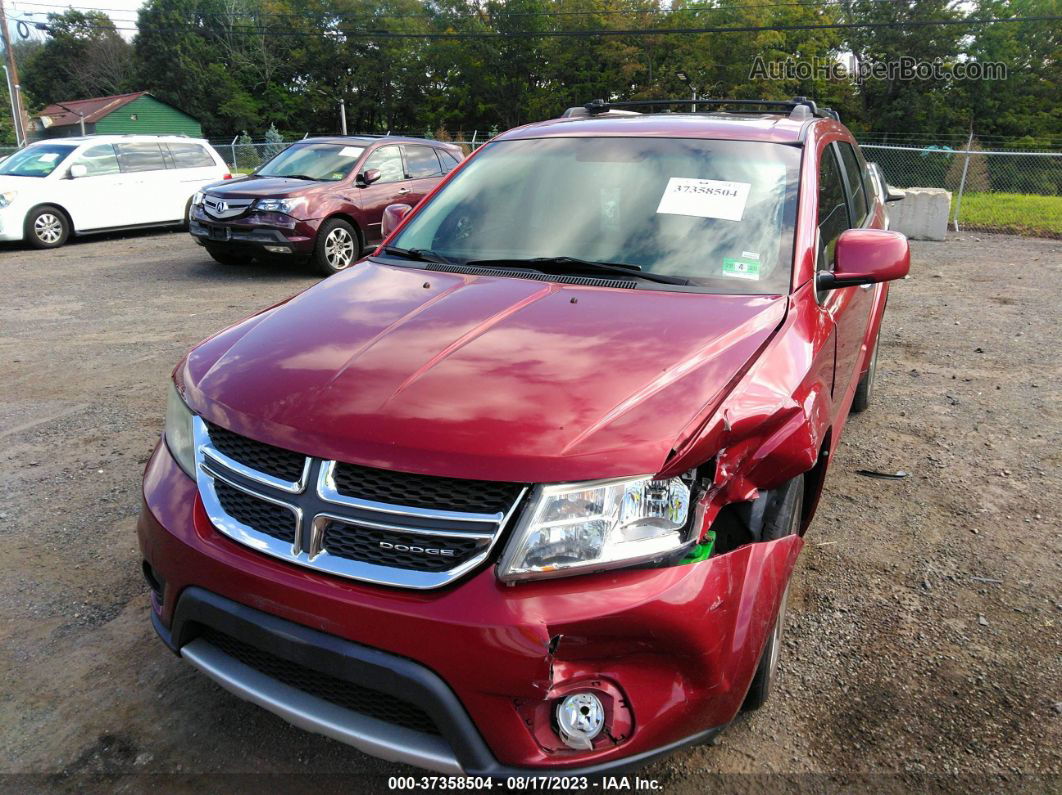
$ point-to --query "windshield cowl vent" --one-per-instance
(586, 281)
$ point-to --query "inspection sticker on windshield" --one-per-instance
(704, 198)
(741, 268)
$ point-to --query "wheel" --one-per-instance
(865, 390)
(226, 256)
(338, 247)
(783, 519)
(47, 227)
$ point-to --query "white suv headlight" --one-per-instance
(179, 437)
(605, 524)
(7, 197)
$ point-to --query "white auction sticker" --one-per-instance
(704, 198)
(350, 151)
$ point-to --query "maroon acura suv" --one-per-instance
(522, 492)
(320, 199)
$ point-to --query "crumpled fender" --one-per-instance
(771, 426)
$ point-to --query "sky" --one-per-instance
(123, 12)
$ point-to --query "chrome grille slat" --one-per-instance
(421, 538)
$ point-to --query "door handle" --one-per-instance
(404, 190)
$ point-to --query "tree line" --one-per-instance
(425, 65)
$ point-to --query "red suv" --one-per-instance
(523, 492)
(320, 199)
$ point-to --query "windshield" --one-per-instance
(327, 162)
(38, 160)
(719, 213)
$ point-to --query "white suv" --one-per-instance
(55, 188)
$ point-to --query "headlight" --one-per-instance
(179, 432)
(287, 206)
(603, 524)
(197, 199)
(7, 197)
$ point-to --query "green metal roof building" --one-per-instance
(118, 115)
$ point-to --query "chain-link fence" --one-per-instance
(244, 155)
(1007, 191)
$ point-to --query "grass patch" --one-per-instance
(1015, 213)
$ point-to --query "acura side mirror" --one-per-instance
(78, 170)
(866, 256)
(368, 177)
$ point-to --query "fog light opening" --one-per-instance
(278, 249)
(580, 718)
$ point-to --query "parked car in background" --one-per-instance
(523, 492)
(321, 199)
(52, 189)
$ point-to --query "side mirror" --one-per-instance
(894, 194)
(367, 177)
(78, 170)
(866, 256)
(392, 217)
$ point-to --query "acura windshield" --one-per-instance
(718, 213)
(38, 160)
(327, 162)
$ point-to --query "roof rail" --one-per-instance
(798, 107)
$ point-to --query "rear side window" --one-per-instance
(98, 160)
(190, 156)
(388, 161)
(857, 197)
(421, 162)
(448, 159)
(833, 210)
(140, 157)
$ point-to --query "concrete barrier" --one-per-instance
(923, 214)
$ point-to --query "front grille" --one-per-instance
(275, 461)
(265, 517)
(407, 551)
(425, 491)
(377, 526)
(356, 698)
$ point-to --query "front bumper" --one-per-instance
(680, 644)
(12, 222)
(255, 231)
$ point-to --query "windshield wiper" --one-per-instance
(417, 254)
(290, 176)
(563, 265)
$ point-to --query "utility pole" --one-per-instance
(12, 74)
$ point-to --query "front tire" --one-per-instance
(47, 227)
(865, 391)
(338, 247)
(227, 256)
(784, 520)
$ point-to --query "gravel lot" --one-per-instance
(923, 644)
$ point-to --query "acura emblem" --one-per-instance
(222, 206)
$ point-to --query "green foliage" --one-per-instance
(84, 56)
(274, 143)
(240, 64)
(247, 157)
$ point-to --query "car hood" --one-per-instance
(476, 376)
(255, 187)
(21, 184)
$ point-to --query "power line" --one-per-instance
(494, 14)
(386, 34)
